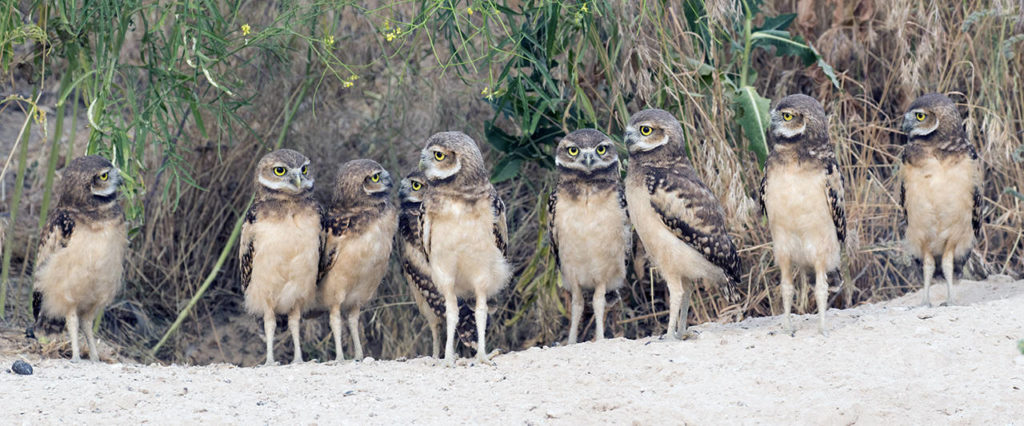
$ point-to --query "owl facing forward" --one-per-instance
(416, 269)
(678, 219)
(280, 245)
(802, 195)
(81, 253)
(463, 231)
(941, 189)
(359, 227)
(587, 221)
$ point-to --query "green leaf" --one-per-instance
(752, 115)
(506, 169)
(795, 46)
(780, 22)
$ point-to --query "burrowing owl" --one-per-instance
(802, 195)
(281, 244)
(941, 192)
(81, 254)
(679, 221)
(463, 230)
(590, 231)
(417, 270)
(359, 227)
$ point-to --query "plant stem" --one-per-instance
(746, 45)
(19, 186)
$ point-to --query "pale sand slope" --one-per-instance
(884, 363)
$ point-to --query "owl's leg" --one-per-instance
(72, 320)
(90, 338)
(684, 316)
(269, 326)
(293, 326)
(353, 330)
(675, 301)
(599, 303)
(821, 296)
(929, 269)
(786, 278)
(801, 295)
(435, 338)
(451, 317)
(577, 311)
(335, 315)
(481, 328)
(949, 271)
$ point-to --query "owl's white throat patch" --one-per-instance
(433, 172)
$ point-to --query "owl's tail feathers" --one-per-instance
(466, 329)
(37, 313)
(734, 299)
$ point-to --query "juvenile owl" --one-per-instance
(359, 227)
(802, 195)
(463, 230)
(81, 253)
(678, 219)
(941, 191)
(587, 220)
(280, 245)
(417, 270)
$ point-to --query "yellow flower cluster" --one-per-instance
(246, 29)
(350, 81)
(329, 41)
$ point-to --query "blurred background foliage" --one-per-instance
(185, 96)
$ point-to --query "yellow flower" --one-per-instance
(40, 116)
(469, 10)
(329, 40)
(346, 84)
(398, 30)
(584, 8)
(353, 77)
(389, 36)
(246, 29)
(387, 25)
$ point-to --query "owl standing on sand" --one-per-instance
(678, 219)
(463, 231)
(941, 189)
(802, 195)
(81, 254)
(416, 269)
(359, 227)
(281, 243)
(587, 221)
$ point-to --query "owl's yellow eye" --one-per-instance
(646, 130)
(573, 151)
(416, 186)
(439, 156)
(305, 169)
(104, 176)
(601, 150)
(787, 116)
(920, 116)
(375, 177)
(280, 171)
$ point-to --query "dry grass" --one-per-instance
(884, 56)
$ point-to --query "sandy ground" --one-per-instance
(885, 363)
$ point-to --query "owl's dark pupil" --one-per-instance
(415, 186)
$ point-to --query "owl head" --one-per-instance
(452, 157)
(89, 181)
(411, 189)
(360, 182)
(653, 131)
(586, 151)
(797, 118)
(930, 115)
(285, 172)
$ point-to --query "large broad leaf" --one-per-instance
(752, 115)
(785, 44)
(507, 168)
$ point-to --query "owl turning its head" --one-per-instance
(284, 171)
(89, 181)
(453, 157)
(797, 118)
(359, 181)
(654, 130)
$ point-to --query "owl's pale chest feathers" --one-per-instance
(463, 251)
(286, 255)
(593, 232)
(799, 214)
(87, 272)
(939, 203)
(361, 262)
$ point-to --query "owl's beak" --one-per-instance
(298, 181)
(908, 124)
(588, 159)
